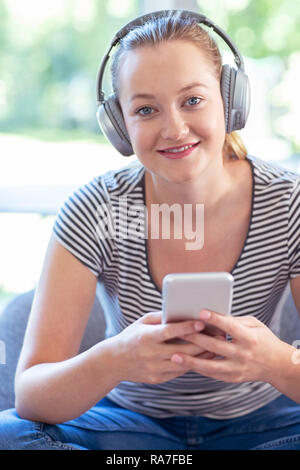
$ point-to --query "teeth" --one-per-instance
(181, 149)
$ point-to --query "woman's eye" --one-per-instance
(193, 100)
(145, 111)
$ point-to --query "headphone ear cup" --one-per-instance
(235, 90)
(111, 122)
(226, 94)
(240, 104)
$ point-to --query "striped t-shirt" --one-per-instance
(103, 225)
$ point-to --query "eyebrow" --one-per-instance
(150, 96)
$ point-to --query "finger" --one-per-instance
(211, 330)
(213, 344)
(214, 368)
(206, 355)
(250, 321)
(166, 370)
(182, 367)
(190, 348)
(187, 348)
(221, 338)
(179, 329)
(226, 323)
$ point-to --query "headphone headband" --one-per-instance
(184, 14)
(139, 21)
(234, 84)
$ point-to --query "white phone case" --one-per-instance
(185, 294)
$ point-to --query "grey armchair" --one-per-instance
(13, 320)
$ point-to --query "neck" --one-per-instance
(210, 189)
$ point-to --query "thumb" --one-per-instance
(152, 318)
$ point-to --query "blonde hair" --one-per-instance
(172, 26)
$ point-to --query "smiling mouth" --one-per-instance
(179, 149)
(176, 153)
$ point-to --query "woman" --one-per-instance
(155, 393)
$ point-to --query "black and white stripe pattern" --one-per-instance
(270, 256)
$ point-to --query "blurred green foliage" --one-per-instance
(48, 64)
(268, 31)
(260, 27)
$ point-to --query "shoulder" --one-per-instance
(104, 188)
(85, 202)
(124, 180)
(270, 177)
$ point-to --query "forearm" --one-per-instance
(58, 392)
(286, 375)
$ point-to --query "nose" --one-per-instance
(175, 127)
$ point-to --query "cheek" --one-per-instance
(213, 125)
(136, 139)
(140, 135)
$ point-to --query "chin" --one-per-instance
(181, 171)
(178, 177)
(190, 173)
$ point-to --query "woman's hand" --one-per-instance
(252, 355)
(144, 349)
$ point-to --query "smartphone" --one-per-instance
(185, 294)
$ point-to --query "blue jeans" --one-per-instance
(107, 426)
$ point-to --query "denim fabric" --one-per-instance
(107, 426)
